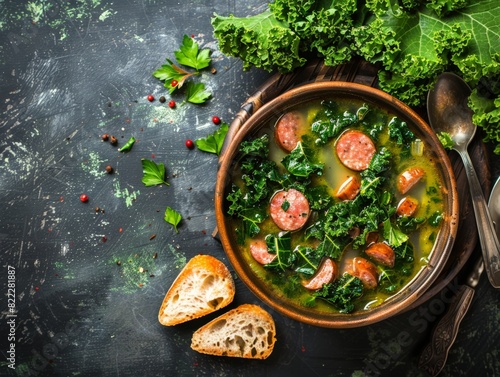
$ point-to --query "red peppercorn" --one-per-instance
(151, 98)
(171, 104)
(189, 144)
(84, 198)
(216, 119)
(174, 83)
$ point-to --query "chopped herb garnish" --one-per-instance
(285, 205)
(128, 145)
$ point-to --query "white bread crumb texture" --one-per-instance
(247, 334)
(197, 291)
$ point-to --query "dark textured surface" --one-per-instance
(73, 72)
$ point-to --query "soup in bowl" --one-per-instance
(336, 204)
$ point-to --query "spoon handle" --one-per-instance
(487, 236)
(433, 357)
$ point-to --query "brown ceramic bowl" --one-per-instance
(444, 241)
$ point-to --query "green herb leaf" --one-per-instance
(169, 72)
(308, 260)
(153, 173)
(301, 162)
(285, 205)
(342, 292)
(327, 124)
(189, 54)
(128, 145)
(261, 41)
(251, 218)
(213, 143)
(196, 93)
(172, 217)
(281, 245)
(393, 235)
(332, 246)
(436, 218)
(446, 140)
(400, 132)
(318, 197)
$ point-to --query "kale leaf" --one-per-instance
(307, 260)
(281, 246)
(251, 218)
(445, 140)
(257, 39)
(327, 124)
(411, 41)
(301, 161)
(342, 292)
(394, 236)
(400, 132)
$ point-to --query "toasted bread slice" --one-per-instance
(203, 286)
(247, 331)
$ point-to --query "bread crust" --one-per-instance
(247, 331)
(203, 286)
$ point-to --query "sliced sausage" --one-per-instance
(260, 252)
(407, 206)
(371, 237)
(366, 271)
(407, 179)
(349, 189)
(355, 150)
(289, 209)
(354, 232)
(286, 131)
(326, 273)
(382, 253)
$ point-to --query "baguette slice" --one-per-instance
(247, 331)
(203, 286)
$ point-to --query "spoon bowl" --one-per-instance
(448, 112)
(448, 109)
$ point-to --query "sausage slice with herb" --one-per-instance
(289, 209)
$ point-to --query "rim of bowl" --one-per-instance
(440, 251)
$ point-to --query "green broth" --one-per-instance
(428, 192)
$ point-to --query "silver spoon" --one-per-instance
(448, 112)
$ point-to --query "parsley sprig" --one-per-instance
(188, 55)
(173, 217)
(214, 142)
(153, 174)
